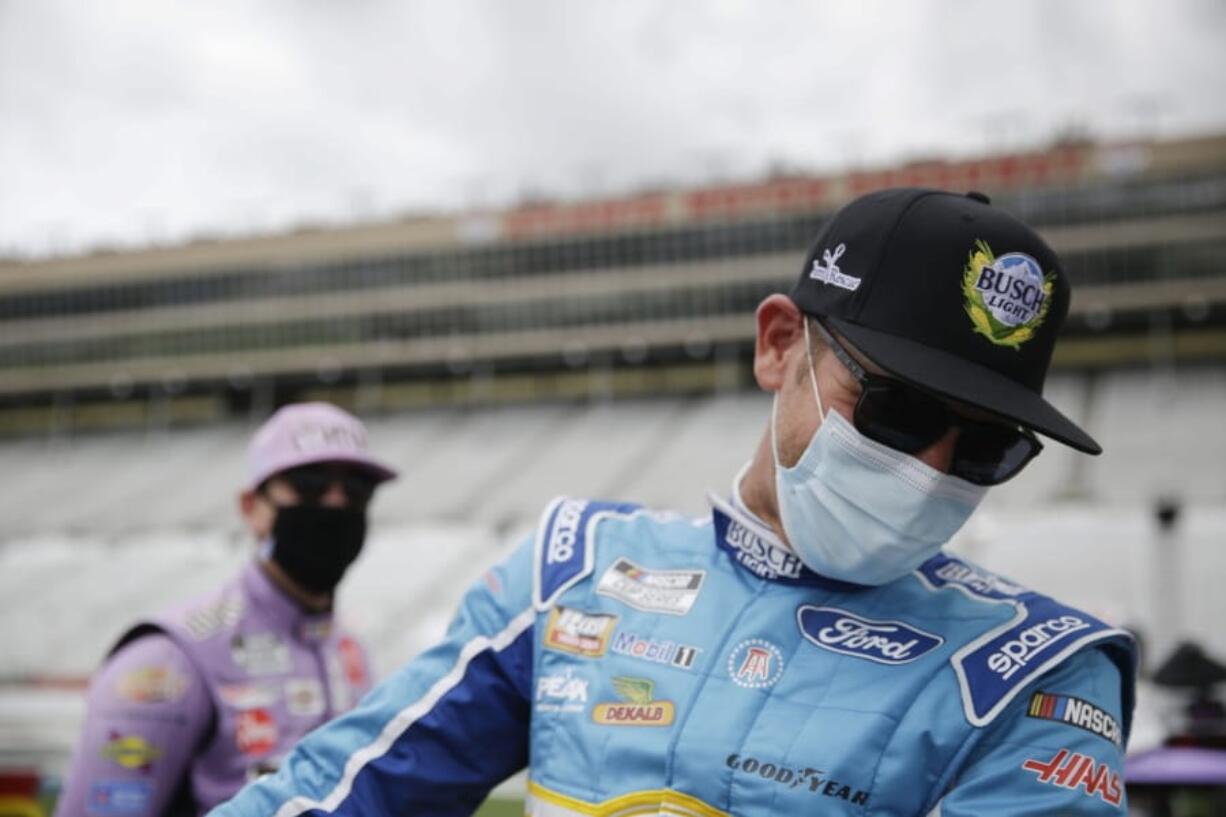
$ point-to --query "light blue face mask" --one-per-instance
(859, 511)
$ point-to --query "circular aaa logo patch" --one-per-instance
(755, 664)
(1007, 298)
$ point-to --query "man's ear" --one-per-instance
(780, 326)
(256, 514)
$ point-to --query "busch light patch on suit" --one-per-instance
(659, 651)
(638, 706)
(1007, 298)
(577, 632)
(1075, 771)
(561, 692)
(1075, 712)
(943, 571)
(672, 592)
(114, 798)
(885, 642)
(755, 664)
(754, 552)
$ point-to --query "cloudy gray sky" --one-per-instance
(130, 121)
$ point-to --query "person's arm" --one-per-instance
(1058, 749)
(436, 736)
(146, 712)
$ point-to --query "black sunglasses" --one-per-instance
(909, 420)
(312, 482)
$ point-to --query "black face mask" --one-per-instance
(315, 545)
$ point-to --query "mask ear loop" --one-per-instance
(816, 394)
(813, 371)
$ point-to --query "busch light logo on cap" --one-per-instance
(1007, 298)
(886, 642)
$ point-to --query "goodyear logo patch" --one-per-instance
(1075, 712)
(1007, 298)
(579, 633)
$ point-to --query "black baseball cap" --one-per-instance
(948, 293)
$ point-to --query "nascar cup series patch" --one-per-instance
(1007, 298)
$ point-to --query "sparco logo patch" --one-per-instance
(638, 706)
(1075, 712)
(565, 532)
(579, 633)
(1072, 770)
(659, 651)
(655, 591)
(886, 642)
(813, 780)
(1032, 642)
(759, 555)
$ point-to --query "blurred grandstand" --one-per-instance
(596, 348)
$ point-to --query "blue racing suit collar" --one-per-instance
(756, 548)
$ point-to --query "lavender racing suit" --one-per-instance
(192, 704)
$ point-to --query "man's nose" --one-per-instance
(940, 455)
(335, 496)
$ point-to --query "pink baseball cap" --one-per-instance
(305, 433)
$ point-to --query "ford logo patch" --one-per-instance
(886, 642)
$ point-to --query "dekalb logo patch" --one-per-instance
(1007, 298)
(1075, 712)
(579, 633)
(885, 642)
(638, 706)
(655, 591)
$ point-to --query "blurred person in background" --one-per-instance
(809, 648)
(196, 701)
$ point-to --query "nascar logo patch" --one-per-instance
(1075, 712)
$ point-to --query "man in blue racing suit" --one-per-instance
(808, 648)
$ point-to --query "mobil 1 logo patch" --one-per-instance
(672, 592)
